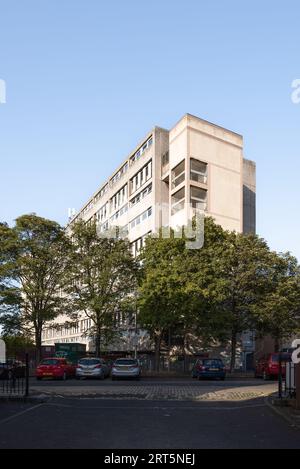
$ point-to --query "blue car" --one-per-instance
(209, 368)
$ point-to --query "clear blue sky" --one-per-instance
(87, 79)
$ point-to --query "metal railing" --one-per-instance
(14, 378)
(289, 382)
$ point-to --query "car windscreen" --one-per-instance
(50, 362)
(126, 362)
(89, 362)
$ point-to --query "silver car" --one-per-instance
(95, 368)
(126, 368)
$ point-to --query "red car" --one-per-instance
(268, 366)
(56, 368)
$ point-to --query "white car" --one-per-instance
(95, 368)
(126, 368)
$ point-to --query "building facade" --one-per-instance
(194, 163)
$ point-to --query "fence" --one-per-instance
(174, 364)
(14, 378)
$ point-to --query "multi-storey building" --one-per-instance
(196, 162)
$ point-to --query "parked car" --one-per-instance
(268, 366)
(126, 368)
(56, 368)
(12, 368)
(95, 368)
(209, 368)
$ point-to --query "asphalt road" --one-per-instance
(134, 424)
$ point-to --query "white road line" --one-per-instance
(19, 414)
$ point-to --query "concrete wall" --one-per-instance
(249, 191)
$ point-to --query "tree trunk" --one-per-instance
(38, 344)
(98, 343)
(277, 344)
(233, 351)
(157, 350)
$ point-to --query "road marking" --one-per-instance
(19, 414)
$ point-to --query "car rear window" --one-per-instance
(51, 362)
(89, 361)
(126, 362)
(285, 357)
(212, 363)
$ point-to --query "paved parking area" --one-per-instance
(151, 389)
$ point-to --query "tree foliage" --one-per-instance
(101, 277)
(33, 264)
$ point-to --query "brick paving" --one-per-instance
(162, 392)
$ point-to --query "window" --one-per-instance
(119, 198)
(141, 195)
(141, 218)
(102, 214)
(198, 198)
(119, 213)
(101, 193)
(142, 150)
(198, 171)
(120, 173)
(141, 177)
(178, 175)
(178, 200)
(138, 245)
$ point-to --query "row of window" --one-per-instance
(81, 326)
(141, 195)
(120, 173)
(119, 213)
(141, 218)
(142, 150)
(102, 214)
(144, 175)
(101, 193)
(119, 198)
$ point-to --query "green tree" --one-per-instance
(232, 274)
(17, 345)
(101, 278)
(279, 311)
(33, 264)
(162, 295)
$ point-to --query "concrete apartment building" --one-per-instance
(196, 162)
